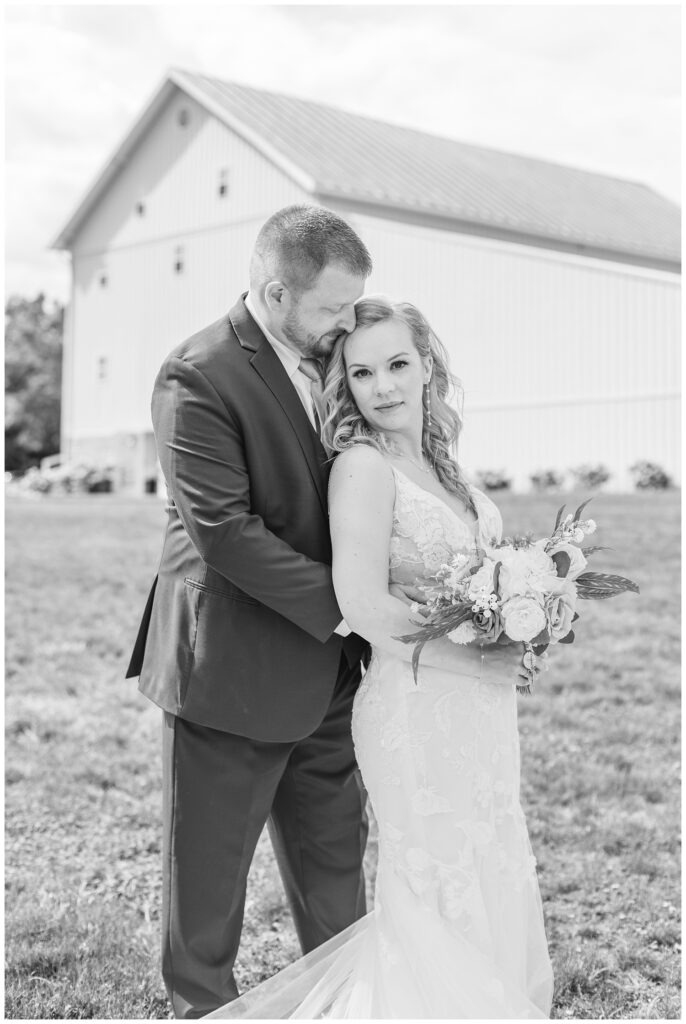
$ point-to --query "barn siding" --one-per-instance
(563, 359)
(614, 431)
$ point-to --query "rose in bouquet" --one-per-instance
(520, 590)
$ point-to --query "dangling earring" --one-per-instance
(427, 393)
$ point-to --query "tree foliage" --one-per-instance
(33, 380)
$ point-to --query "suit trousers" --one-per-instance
(219, 791)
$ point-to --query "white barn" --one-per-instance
(555, 290)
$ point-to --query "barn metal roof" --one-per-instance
(362, 163)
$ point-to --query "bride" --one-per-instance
(457, 926)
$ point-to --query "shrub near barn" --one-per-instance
(648, 476)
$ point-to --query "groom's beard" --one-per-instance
(311, 345)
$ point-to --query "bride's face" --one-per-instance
(386, 376)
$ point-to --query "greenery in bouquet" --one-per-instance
(519, 590)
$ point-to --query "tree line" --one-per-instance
(33, 380)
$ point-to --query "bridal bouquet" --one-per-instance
(519, 591)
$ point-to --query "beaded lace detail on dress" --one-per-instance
(427, 533)
(440, 756)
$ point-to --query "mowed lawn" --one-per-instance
(600, 766)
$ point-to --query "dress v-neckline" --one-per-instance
(473, 528)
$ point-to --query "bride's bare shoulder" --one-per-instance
(362, 467)
(361, 458)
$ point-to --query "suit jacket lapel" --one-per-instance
(270, 368)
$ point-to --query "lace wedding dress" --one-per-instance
(457, 926)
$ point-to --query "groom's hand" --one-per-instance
(409, 595)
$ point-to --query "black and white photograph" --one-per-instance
(342, 511)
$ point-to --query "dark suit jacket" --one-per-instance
(238, 631)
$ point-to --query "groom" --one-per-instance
(242, 642)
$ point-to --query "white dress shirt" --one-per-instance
(291, 362)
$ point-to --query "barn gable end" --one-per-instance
(145, 278)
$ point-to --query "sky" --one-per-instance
(593, 86)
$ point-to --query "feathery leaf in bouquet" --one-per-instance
(600, 585)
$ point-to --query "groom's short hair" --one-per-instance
(297, 242)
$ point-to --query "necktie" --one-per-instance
(312, 369)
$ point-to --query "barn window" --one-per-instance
(223, 182)
(102, 368)
(103, 280)
(178, 260)
(140, 208)
(183, 117)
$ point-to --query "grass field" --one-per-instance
(600, 753)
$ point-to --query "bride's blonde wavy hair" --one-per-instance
(344, 425)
